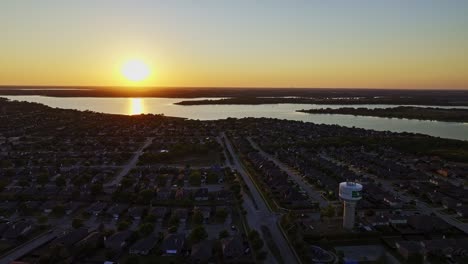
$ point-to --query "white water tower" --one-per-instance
(350, 193)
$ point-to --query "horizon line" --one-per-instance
(3, 86)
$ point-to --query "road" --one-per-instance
(309, 189)
(59, 227)
(263, 215)
(130, 165)
(219, 139)
(29, 246)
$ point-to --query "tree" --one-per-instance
(123, 225)
(253, 234)
(415, 258)
(257, 243)
(211, 178)
(174, 220)
(96, 188)
(197, 218)
(42, 219)
(256, 240)
(77, 222)
(3, 183)
(126, 182)
(328, 211)
(198, 234)
(223, 234)
(195, 178)
(23, 183)
(60, 181)
(146, 229)
(172, 229)
(58, 210)
(262, 255)
(43, 178)
(151, 218)
(146, 196)
(132, 259)
(55, 254)
(221, 215)
(236, 188)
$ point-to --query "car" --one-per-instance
(247, 251)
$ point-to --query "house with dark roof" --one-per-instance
(427, 223)
(173, 244)
(378, 220)
(434, 197)
(116, 210)
(159, 212)
(118, 240)
(205, 212)
(232, 247)
(201, 252)
(398, 219)
(201, 194)
(409, 248)
(71, 207)
(144, 245)
(163, 194)
(181, 214)
(462, 211)
(450, 203)
(15, 230)
(393, 201)
(48, 206)
(96, 208)
(71, 238)
(136, 212)
(7, 207)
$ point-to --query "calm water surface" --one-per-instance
(166, 106)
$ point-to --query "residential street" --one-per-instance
(132, 163)
(311, 191)
(262, 216)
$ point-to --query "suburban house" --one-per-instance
(201, 252)
(173, 244)
(144, 245)
(118, 240)
(232, 247)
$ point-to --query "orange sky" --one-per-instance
(239, 44)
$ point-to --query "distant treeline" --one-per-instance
(421, 113)
(255, 95)
(333, 101)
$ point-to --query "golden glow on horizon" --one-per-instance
(137, 106)
(144, 44)
(135, 70)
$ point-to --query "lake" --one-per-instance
(166, 106)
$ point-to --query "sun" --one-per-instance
(135, 70)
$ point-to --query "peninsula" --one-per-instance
(408, 112)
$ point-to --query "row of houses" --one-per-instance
(446, 248)
(278, 182)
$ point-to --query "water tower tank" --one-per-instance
(350, 191)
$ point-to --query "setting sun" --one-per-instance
(135, 70)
